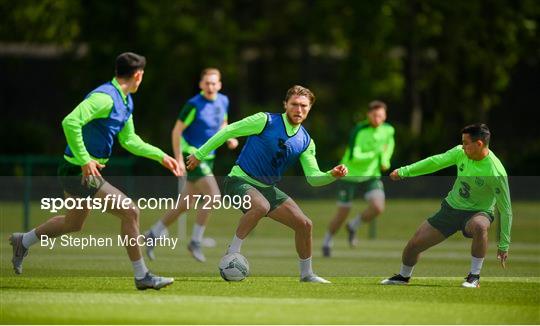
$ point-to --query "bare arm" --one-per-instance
(176, 135)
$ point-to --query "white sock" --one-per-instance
(327, 240)
(158, 228)
(139, 268)
(406, 271)
(305, 267)
(476, 265)
(236, 245)
(29, 238)
(355, 224)
(197, 234)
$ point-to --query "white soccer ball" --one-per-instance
(233, 267)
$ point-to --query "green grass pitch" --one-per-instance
(94, 286)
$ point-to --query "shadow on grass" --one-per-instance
(198, 280)
(429, 285)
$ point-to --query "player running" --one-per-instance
(90, 129)
(481, 184)
(201, 117)
(275, 142)
(371, 145)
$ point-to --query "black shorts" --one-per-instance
(70, 177)
(449, 220)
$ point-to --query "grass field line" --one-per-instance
(504, 279)
(269, 300)
(286, 241)
(137, 298)
(447, 256)
(32, 297)
(397, 254)
(83, 255)
(134, 298)
(378, 243)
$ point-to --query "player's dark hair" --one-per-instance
(300, 91)
(478, 131)
(374, 105)
(128, 63)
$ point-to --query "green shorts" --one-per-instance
(235, 186)
(204, 169)
(70, 176)
(449, 220)
(347, 189)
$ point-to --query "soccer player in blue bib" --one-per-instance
(276, 141)
(91, 129)
(201, 117)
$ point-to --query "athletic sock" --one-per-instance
(139, 268)
(158, 228)
(355, 224)
(29, 238)
(197, 234)
(476, 265)
(236, 245)
(327, 239)
(305, 267)
(406, 271)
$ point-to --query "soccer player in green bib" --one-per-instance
(481, 185)
(200, 118)
(371, 145)
(91, 129)
(276, 141)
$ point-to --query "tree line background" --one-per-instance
(438, 64)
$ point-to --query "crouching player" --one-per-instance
(481, 184)
(275, 142)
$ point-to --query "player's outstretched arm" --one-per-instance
(135, 145)
(314, 176)
(232, 143)
(431, 164)
(176, 135)
(251, 125)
